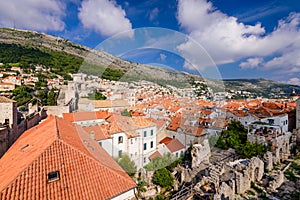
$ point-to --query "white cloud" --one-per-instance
(104, 16)
(251, 63)
(153, 14)
(227, 40)
(42, 15)
(162, 57)
(294, 81)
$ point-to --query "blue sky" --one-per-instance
(245, 39)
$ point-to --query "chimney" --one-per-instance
(92, 135)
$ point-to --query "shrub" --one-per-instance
(250, 192)
(290, 175)
(163, 177)
(127, 164)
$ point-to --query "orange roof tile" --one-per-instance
(85, 116)
(175, 145)
(166, 140)
(100, 132)
(86, 171)
(155, 154)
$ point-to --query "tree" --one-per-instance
(97, 96)
(52, 96)
(125, 113)
(163, 177)
(127, 165)
(236, 137)
(158, 163)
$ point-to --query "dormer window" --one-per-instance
(53, 176)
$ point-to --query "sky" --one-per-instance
(239, 39)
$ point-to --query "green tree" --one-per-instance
(236, 137)
(127, 165)
(52, 97)
(125, 113)
(96, 96)
(158, 163)
(163, 177)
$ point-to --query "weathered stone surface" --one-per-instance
(226, 191)
(200, 153)
(278, 179)
(268, 157)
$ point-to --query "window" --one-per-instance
(145, 133)
(177, 154)
(271, 121)
(151, 132)
(120, 139)
(181, 153)
(151, 144)
(145, 160)
(145, 146)
(120, 153)
(53, 176)
(100, 143)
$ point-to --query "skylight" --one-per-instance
(53, 176)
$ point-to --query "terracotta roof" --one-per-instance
(166, 140)
(175, 145)
(86, 116)
(86, 171)
(6, 100)
(159, 122)
(136, 113)
(100, 132)
(192, 130)
(155, 154)
(142, 122)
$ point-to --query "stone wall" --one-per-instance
(200, 153)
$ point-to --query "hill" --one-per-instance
(88, 60)
(261, 87)
(62, 57)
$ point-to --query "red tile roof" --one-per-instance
(101, 132)
(155, 154)
(85, 116)
(166, 140)
(175, 145)
(86, 170)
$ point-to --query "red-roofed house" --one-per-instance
(173, 146)
(87, 118)
(118, 134)
(59, 160)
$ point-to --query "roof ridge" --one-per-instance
(56, 127)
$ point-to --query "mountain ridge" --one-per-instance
(131, 70)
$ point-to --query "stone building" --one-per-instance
(9, 113)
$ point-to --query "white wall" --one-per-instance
(125, 196)
(281, 121)
(133, 147)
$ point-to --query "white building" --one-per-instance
(135, 137)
